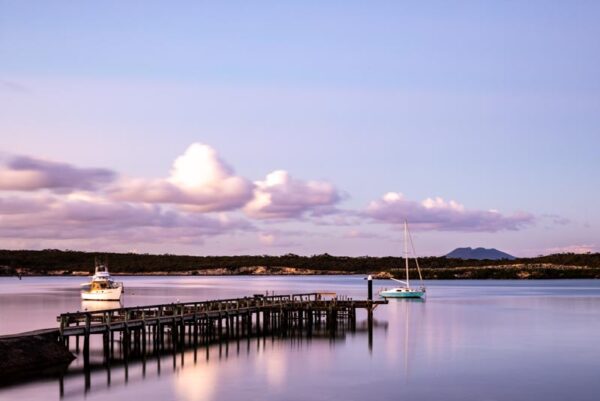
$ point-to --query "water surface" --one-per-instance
(470, 340)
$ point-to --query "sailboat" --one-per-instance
(406, 291)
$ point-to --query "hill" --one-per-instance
(479, 254)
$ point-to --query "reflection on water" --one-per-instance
(100, 305)
(197, 369)
(470, 340)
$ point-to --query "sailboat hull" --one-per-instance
(402, 294)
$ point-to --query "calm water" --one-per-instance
(471, 340)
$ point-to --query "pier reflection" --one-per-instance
(196, 367)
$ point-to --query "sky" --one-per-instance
(211, 128)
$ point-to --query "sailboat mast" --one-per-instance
(414, 253)
(406, 251)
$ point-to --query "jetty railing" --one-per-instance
(211, 320)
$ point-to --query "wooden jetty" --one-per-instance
(143, 327)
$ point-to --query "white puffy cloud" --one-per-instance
(24, 173)
(199, 179)
(439, 214)
(282, 196)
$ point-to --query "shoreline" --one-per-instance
(54, 262)
(509, 271)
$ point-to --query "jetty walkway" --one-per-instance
(150, 327)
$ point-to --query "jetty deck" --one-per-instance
(206, 321)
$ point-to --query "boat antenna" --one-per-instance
(412, 245)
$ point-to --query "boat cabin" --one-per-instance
(100, 285)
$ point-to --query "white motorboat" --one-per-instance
(102, 287)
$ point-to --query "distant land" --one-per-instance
(479, 254)
(54, 262)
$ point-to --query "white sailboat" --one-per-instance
(406, 291)
(102, 287)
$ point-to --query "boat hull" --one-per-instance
(108, 294)
(402, 294)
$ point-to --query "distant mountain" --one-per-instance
(479, 253)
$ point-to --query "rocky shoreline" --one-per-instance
(508, 271)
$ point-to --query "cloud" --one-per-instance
(266, 239)
(53, 202)
(281, 196)
(12, 86)
(276, 239)
(354, 233)
(86, 216)
(556, 219)
(24, 173)
(199, 179)
(18, 205)
(581, 248)
(442, 215)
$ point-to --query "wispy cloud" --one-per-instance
(556, 219)
(355, 233)
(84, 216)
(442, 215)
(24, 173)
(577, 248)
(16, 205)
(275, 240)
(12, 86)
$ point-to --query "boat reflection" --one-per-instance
(100, 305)
(407, 319)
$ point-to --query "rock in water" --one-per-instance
(30, 355)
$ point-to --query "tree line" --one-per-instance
(49, 260)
